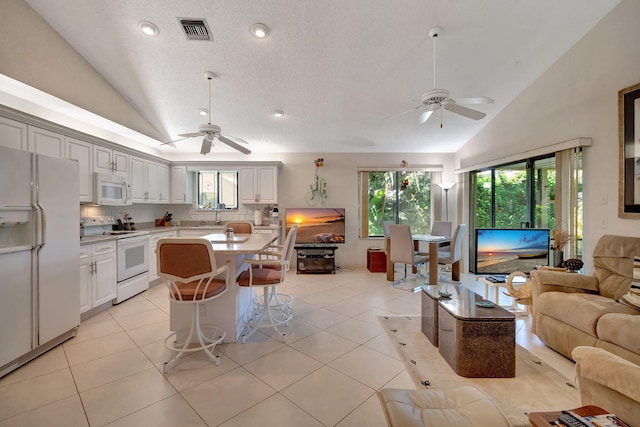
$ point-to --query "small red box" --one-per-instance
(376, 261)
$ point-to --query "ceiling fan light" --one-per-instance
(206, 146)
(148, 28)
(278, 113)
(259, 31)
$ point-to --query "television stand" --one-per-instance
(315, 259)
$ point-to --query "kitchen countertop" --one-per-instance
(88, 240)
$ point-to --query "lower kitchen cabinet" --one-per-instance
(97, 274)
(153, 260)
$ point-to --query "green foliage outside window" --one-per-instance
(402, 194)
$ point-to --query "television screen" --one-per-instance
(316, 225)
(505, 250)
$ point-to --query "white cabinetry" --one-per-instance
(97, 274)
(82, 152)
(41, 141)
(181, 185)
(153, 261)
(13, 134)
(259, 185)
(149, 181)
(106, 160)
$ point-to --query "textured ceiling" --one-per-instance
(336, 68)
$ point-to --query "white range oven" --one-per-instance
(132, 255)
(132, 262)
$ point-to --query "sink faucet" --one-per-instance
(217, 220)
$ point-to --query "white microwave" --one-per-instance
(112, 190)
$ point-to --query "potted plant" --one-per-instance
(560, 240)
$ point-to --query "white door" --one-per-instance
(58, 262)
(104, 285)
(138, 180)
(82, 152)
(86, 283)
(41, 141)
(13, 134)
(16, 325)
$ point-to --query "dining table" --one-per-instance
(434, 242)
(226, 311)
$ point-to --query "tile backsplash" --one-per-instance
(147, 213)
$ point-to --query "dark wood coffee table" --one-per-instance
(549, 419)
(477, 342)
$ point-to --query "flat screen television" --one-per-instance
(505, 250)
(316, 226)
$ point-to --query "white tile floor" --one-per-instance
(337, 356)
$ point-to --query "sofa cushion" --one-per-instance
(632, 297)
(463, 406)
(621, 329)
(578, 310)
(613, 262)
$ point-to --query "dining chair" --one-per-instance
(240, 227)
(387, 248)
(453, 253)
(402, 249)
(441, 228)
(268, 274)
(188, 267)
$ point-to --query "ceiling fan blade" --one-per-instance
(464, 111)
(424, 116)
(172, 143)
(476, 100)
(232, 144)
(190, 135)
(403, 113)
(234, 139)
(206, 146)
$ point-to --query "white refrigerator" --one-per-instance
(39, 255)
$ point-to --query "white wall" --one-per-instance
(576, 97)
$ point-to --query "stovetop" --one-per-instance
(104, 226)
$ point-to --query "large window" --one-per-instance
(401, 196)
(525, 194)
(217, 189)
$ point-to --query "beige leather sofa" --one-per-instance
(608, 381)
(571, 310)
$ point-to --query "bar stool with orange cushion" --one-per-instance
(240, 227)
(189, 269)
(268, 274)
(281, 300)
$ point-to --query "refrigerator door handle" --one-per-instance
(42, 224)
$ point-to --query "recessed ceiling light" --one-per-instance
(203, 111)
(259, 31)
(278, 113)
(148, 28)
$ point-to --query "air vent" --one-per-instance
(196, 29)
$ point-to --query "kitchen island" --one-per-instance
(227, 310)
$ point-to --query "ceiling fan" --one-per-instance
(211, 131)
(437, 99)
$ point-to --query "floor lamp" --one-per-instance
(446, 186)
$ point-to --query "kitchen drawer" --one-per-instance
(103, 248)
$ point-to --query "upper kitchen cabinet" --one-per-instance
(13, 134)
(149, 181)
(82, 152)
(181, 185)
(41, 141)
(106, 160)
(259, 185)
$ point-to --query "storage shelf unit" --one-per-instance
(316, 259)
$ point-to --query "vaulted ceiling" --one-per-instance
(338, 69)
